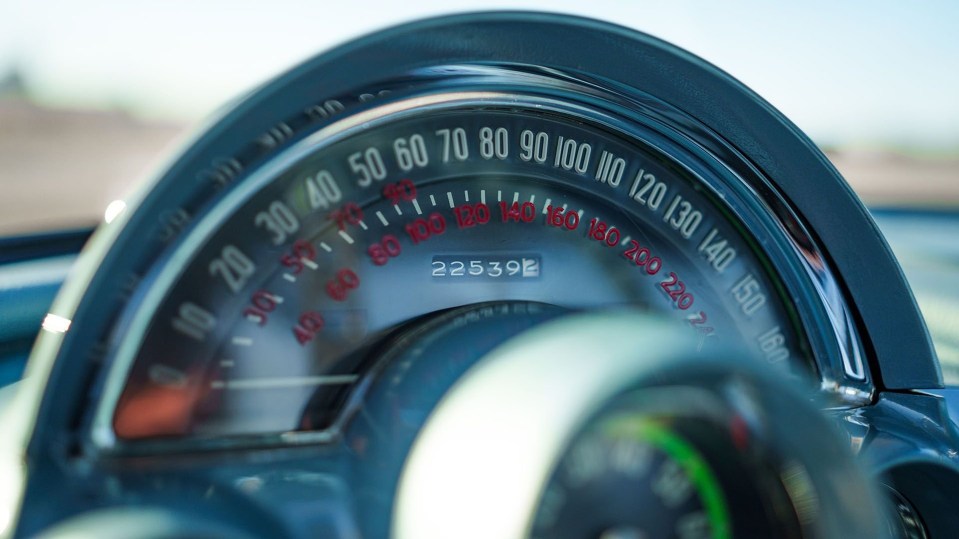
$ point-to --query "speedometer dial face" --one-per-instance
(271, 299)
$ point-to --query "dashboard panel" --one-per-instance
(438, 227)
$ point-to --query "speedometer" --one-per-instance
(456, 184)
(444, 201)
(395, 178)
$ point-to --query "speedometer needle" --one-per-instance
(276, 383)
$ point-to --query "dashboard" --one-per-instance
(485, 275)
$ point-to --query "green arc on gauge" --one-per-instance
(689, 459)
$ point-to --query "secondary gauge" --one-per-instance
(665, 486)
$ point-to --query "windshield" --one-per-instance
(91, 99)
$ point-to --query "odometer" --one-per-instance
(425, 207)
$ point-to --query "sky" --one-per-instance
(851, 72)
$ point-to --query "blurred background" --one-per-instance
(95, 94)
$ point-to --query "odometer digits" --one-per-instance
(487, 267)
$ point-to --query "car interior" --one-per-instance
(489, 274)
